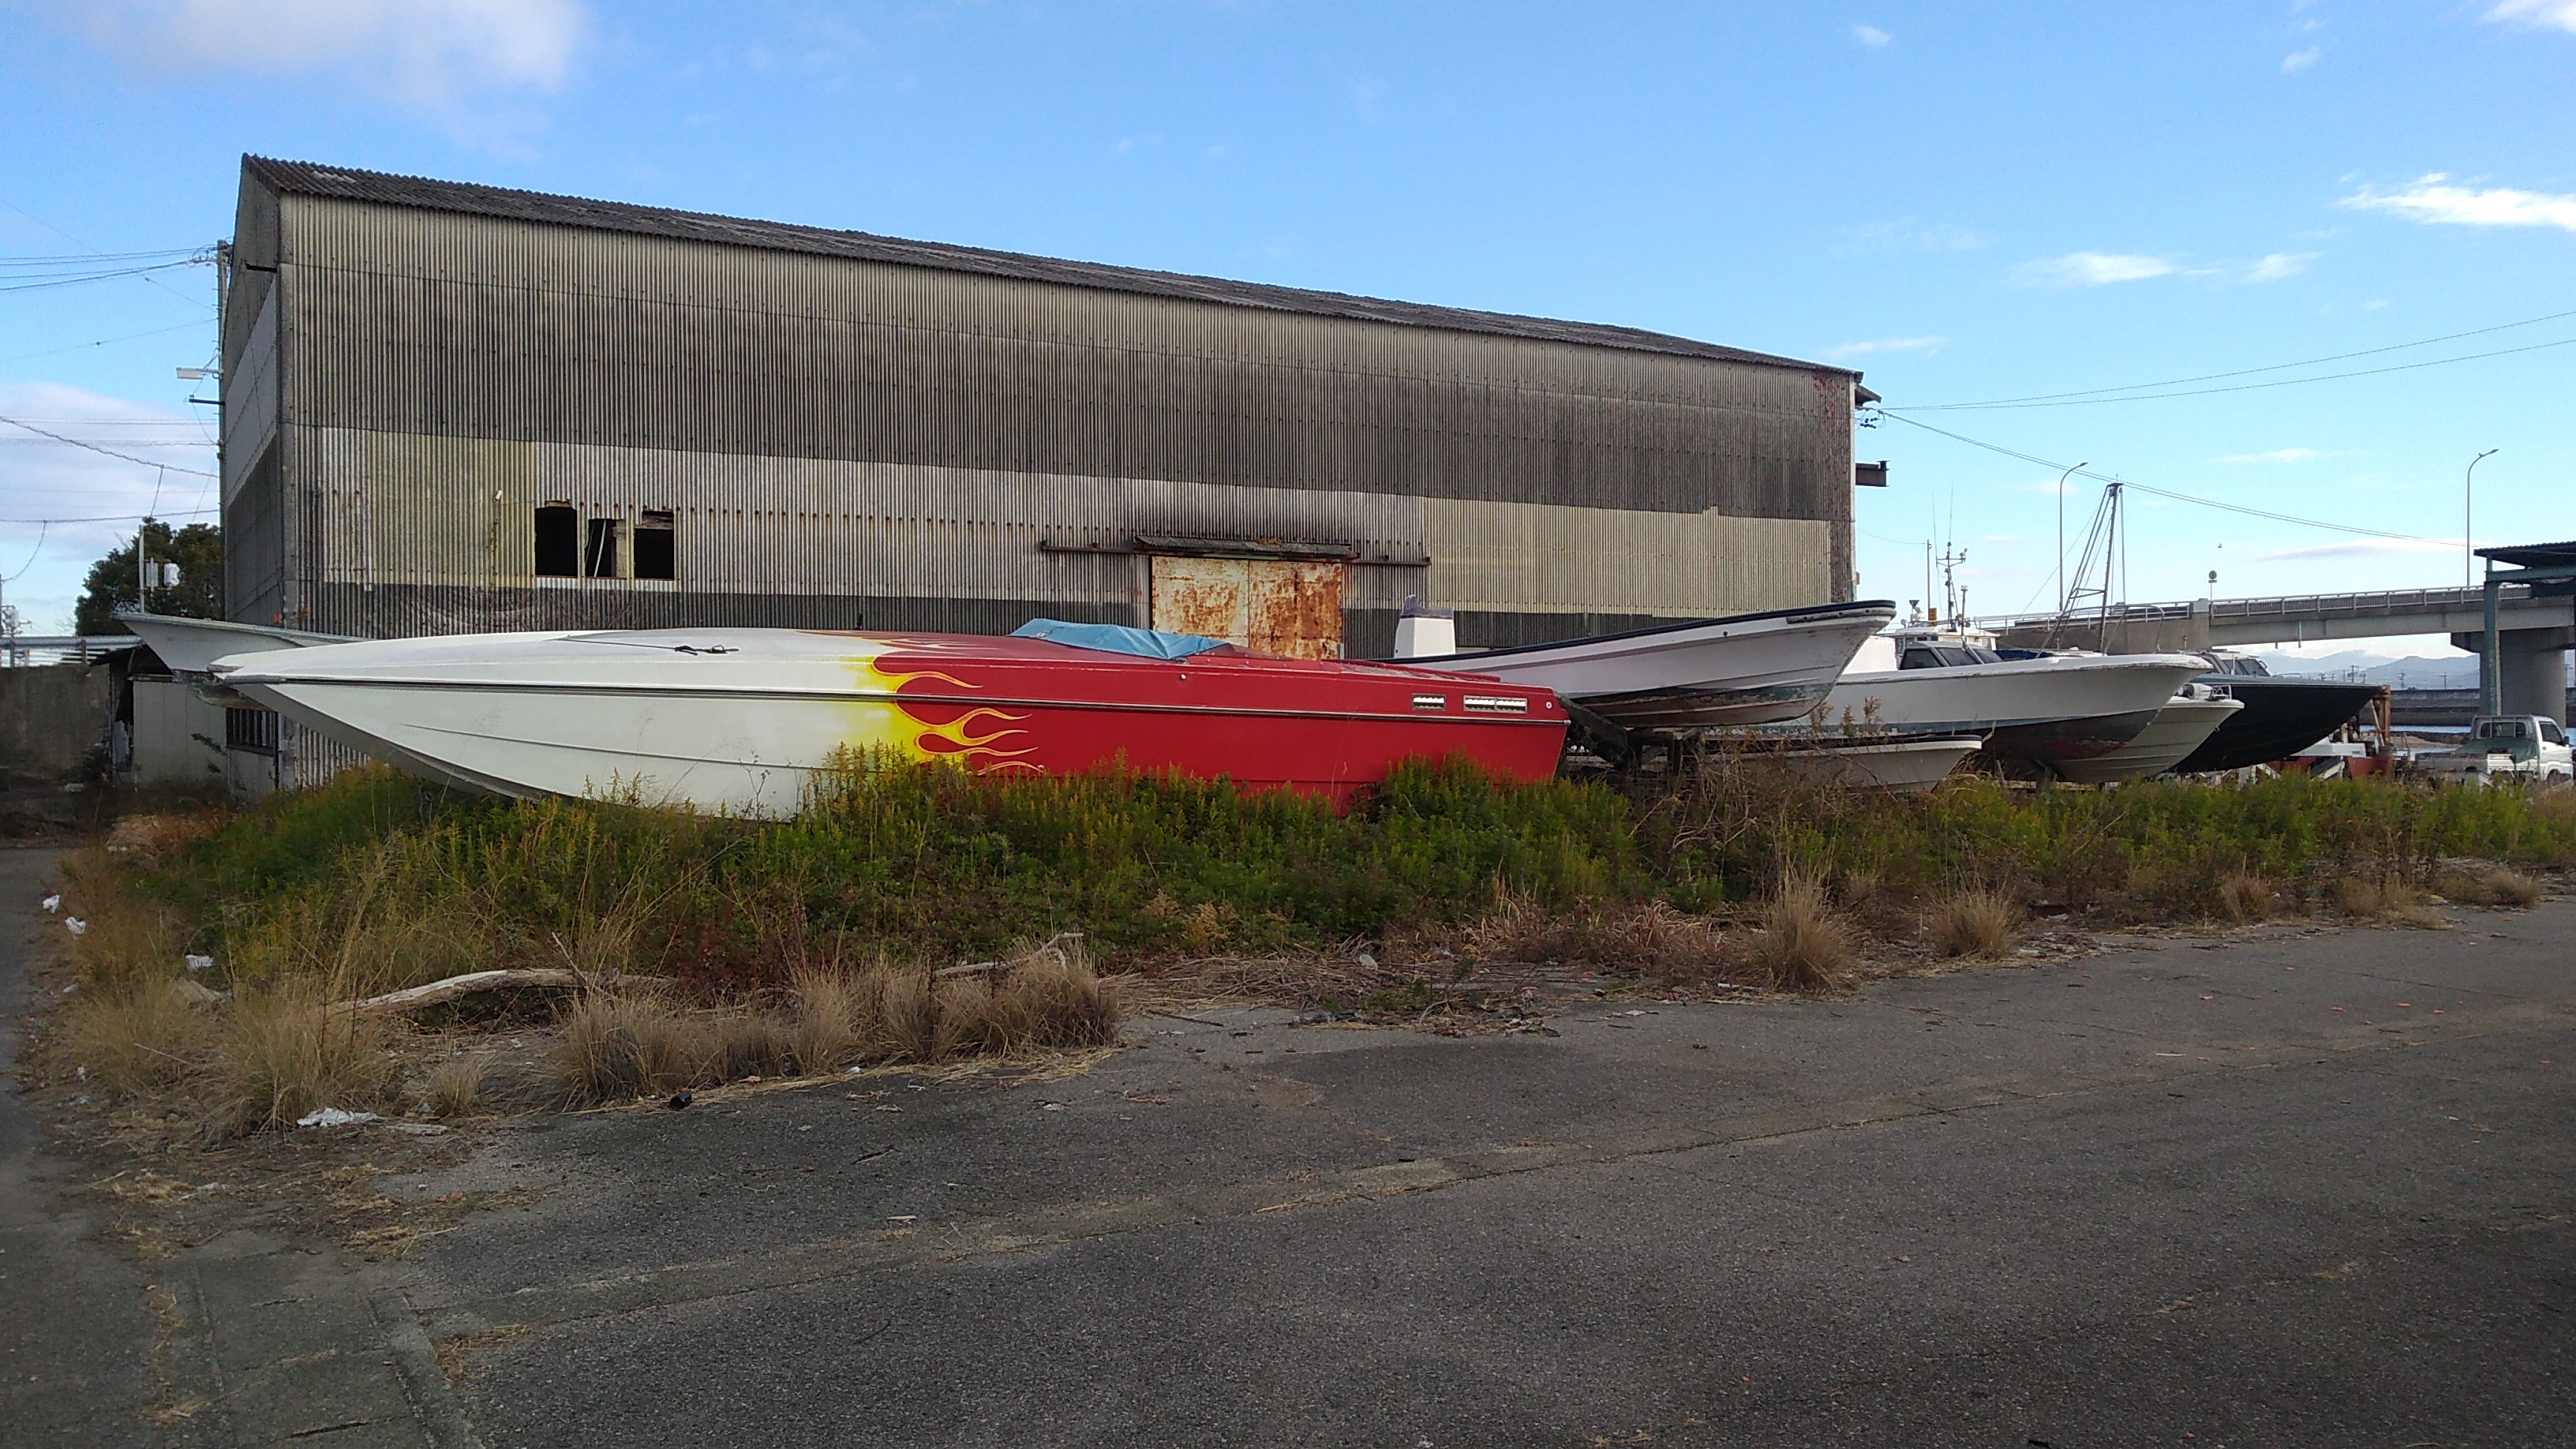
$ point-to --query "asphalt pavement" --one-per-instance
(2285, 1190)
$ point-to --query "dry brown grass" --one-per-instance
(148, 1037)
(456, 1087)
(284, 1052)
(2491, 886)
(2388, 900)
(2244, 897)
(612, 1046)
(831, 1011)
(1976, 923)
(1652, 937)
(1803, 945)
(132, 940)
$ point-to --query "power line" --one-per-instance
(2250, 386)
(95, 448)
(95, 252)
(113, 517)
(104, 341)
(68, 258)
(2251, 371)
(2168, 493)
(109, 276)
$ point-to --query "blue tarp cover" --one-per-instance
(1117, 639)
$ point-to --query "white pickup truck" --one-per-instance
(2520, 748)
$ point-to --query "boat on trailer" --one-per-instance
(1693, 675)
(2188, 719)
(742, 720)
(2281, 718)
(1933, 681)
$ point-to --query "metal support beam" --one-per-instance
(2489, 685)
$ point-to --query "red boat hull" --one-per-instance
(1325, 728)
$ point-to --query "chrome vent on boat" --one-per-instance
(1433, 702)
(1496, 704)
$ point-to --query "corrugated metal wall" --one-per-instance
(847, 442)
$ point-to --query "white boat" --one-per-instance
(1744, 669)
(2178, 729)
(191, 646)
(1902, 767)
(1923, 681)
(188, 648)
(741, 720)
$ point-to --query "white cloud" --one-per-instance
(2299, 60)
(47, 479)
(2535, 14)
(2433, 200)
(2091, 269)
(428, 53)
(1871, 36)
(2278, 266)
(2364, 548)
(2281, 455)
(1886, 344)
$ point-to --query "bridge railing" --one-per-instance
(2378, 603)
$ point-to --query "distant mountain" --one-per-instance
(2459, 671)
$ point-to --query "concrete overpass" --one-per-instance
(2535, 624)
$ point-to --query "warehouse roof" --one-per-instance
(307, 179)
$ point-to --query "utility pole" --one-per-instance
(2468, 539)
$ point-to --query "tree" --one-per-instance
(197, 549)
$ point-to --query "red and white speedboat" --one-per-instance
(738, 720)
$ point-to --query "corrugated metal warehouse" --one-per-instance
(452, 407)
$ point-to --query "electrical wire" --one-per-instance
(2246, 386)
(2251, 371)
(95, 448)
(2166, 492)
(31, 554)
(74, 281)
(113, 517)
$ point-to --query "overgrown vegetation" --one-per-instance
(810, 944)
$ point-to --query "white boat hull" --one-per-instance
(191, 646)
(2044, 711)
(2179, 729)
(1903, 767)
(1747, 669)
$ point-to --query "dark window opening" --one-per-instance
(250, 729)
(655, 557)
(599, 560)
(558, 542)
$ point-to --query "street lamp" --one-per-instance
(2468, 542)
(2061, 536)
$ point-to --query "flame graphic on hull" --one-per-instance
(915, 730)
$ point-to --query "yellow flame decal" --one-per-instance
(879, 721)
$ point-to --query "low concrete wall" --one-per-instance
(50, 716)
(178, 738)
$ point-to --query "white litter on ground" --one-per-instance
(198, 963)
(334, 1117)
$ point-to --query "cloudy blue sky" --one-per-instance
(1974, 203)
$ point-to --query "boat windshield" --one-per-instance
(2239, 664)
(1945, 656)
(1118, 639)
